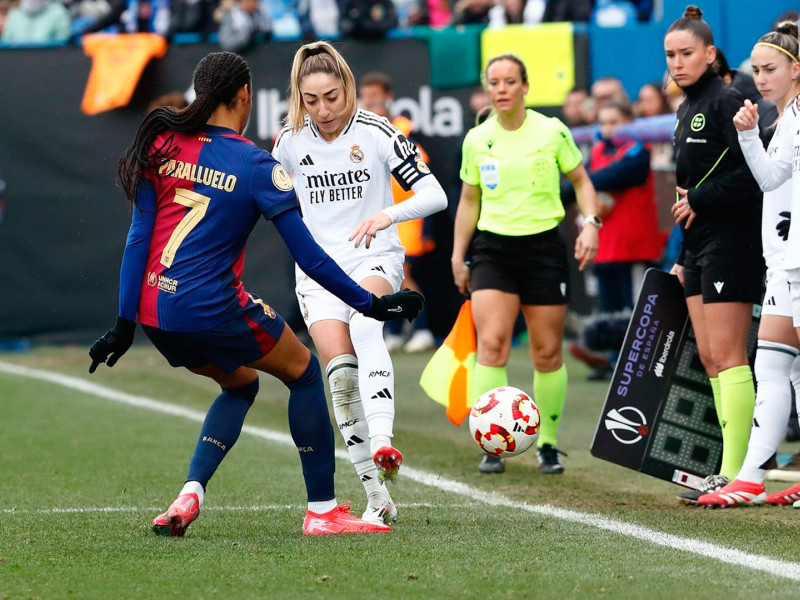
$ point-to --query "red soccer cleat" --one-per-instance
(388, 461)
(788, 496)
(178, 517)
(339, 520)
(736, 493)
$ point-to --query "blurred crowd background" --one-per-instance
(596, 64)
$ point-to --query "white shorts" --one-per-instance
(794, 292)
(318, 304)
(777, 300)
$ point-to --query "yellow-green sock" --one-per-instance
(738, 400)
(487, 378)
(550, 393)
(717, 399)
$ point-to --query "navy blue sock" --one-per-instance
(312, 432)
(221, 429)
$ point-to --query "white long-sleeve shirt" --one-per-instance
(773, 169)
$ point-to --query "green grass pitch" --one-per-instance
(81, 478)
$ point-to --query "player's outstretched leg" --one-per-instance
(221, 429)
(310, 426)
(342, 372)
(376, 382)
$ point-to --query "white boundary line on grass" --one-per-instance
(779, 568)
(132, 509)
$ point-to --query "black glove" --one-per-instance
(405, 304)
(115, 343)
(783, 226)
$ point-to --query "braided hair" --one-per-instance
(217, 78)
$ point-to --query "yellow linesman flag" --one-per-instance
(447, 378)
(548, 53)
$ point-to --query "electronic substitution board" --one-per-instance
(659, 416)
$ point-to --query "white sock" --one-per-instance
(375, 378)
(773, 404)
(795, 377)
(342, 374)
(378, 497)
(321, 508)
(376, 442)
(194, 487)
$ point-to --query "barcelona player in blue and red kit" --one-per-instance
(198, 188)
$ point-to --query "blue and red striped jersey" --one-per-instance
(202, 206)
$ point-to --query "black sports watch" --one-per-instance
(593, 220)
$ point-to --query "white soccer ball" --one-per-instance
(504, 421)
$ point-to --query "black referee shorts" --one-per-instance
(724, 275)
(534, 267)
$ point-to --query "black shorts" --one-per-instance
(534, 267)
(722, 275)
(237, 342)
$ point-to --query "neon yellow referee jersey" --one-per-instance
(518, 173)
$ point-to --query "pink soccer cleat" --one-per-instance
(178, 516)
(787, 496)
(388, 461)
(339, 520)
(736, 493)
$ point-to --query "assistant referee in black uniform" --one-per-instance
(719, 209)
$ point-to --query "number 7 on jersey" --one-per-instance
(198, 204)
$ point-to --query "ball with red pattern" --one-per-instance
(504, 421)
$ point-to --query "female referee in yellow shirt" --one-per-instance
(510, 169)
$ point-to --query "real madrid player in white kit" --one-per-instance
(776, 70)
(341, 159)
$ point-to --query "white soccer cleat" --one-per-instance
(380, 509)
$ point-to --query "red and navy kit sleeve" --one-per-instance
(272, 187)
(137, 248)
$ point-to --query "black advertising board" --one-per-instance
(659, 416)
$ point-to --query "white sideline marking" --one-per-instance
(132, 509)
(773, 566)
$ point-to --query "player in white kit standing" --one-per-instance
(776, 70)
(341, 158)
